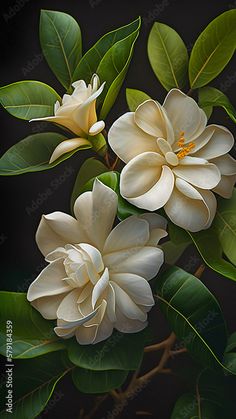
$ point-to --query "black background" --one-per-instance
(21, 58)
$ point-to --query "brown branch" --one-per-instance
(200, 271)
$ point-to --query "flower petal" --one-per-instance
(151, 117)
(49, 282)
(47, 306)
(111, 303)
(56, 230)
(129, 233)
(220, 142)
(64, 121)
(68, 145)
(226, 164)
(96, 212)
(184, 114)
(144, 261)
(68, 309)
(136, 287)
(205, 176)
(147, 187)
(127, 140)
(94, 255)
(188, 209)
(225, 186)
(100, 287)
(126, 325)
(96, 128)
(126, 305)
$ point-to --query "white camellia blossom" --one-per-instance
(78, 114)
(97, 278)
(174, 160)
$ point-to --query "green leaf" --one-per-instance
(113, 68)
(209, 97)
(230, 353)
(193, 314)
(32, 154)
(89, 381)
(225, 226)
(99, 143)
(173, 251)
(60, 38)
(213, 49)
(111, 354)
(168, 56)
(89, 169)
(209, 247)
(28, 99)
(134, 98)
(33, 385)
(90, 61)
(206, 402)
(32, 335)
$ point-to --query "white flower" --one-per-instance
(97, 278)
(78, 114)
(174, 160)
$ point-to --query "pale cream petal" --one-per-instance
(131, 232)
(150, 199)
(100, 287)
(96, 128)
(96, 212)
(58, 253)
(220, 143)
(141, 174)
(47, 306)
(144, 261)
(68, 145)
(150, 116)
(126, 305)
(104, 330)
(82, 115)
(136, 287)
(199, 141)
(127, 140)
(225, 186)
(69, 123)
(154, 221)
(126, 325)
(187, 189)
(204, 176)
(191, 161)
(111, 303)
(188, 213)
(184, 114)
(68, 309)
(210, 201)
(49, 282)
(56, 230)
(94, 255)
(226, 164)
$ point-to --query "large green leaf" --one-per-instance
(206, 402)
(32, 335)
(60, 38)
(33, 384)
(209, 247)
(28, 99)
(32, 154)
(178, 243)
(225, 226)
(209, 97)
(168, 56)
(193, 314)
(111, 354)
(89, 169)
(90, 61)
(230, 353)
(89, 381)
(113, 68)
(134, 98)
(213, 49)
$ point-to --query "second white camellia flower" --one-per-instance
(174, 160)
(97, 278)
(78, 114)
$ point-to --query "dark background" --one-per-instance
(21, 58)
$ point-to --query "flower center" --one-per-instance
(185, 150)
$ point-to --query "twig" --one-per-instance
(200, 271)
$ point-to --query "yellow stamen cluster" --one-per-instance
(185, 150)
